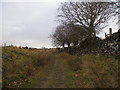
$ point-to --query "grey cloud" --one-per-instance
(28, 23)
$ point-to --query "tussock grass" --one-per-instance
(93, 71)
(19, 64)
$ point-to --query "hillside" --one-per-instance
(20, 64)
(48, 68)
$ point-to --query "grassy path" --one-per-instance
(49, 69)
(54, 77)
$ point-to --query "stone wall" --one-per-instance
(110, 46)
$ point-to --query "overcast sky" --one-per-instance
(30, 23)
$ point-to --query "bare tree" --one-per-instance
(116, 9)
(67, 34)
(91, 15)
(76, 33)
(61, 36)
(58, 37)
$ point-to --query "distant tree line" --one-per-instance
(81, 20)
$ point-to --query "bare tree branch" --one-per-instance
(91, 15)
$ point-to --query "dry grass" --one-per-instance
(87, 71)
(19, 64)
(93, 71)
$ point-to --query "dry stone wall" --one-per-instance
(110, 46)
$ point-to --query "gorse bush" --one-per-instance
(19, 64)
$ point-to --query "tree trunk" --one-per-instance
(94, 33)
(63, 45)
(68, 44)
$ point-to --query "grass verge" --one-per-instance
(91, 71)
